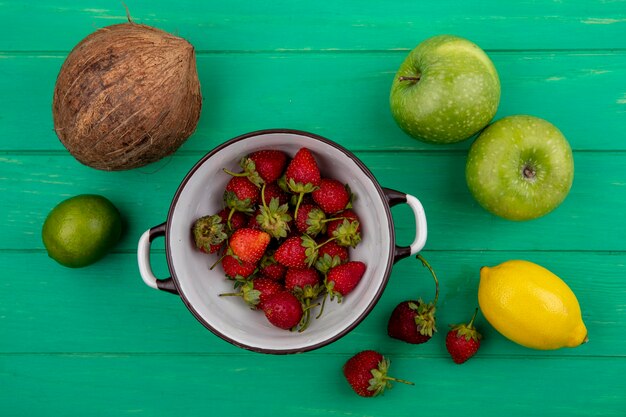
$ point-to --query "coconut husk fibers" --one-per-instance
(127, 95)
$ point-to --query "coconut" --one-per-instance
(127, 95)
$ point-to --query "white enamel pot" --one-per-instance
(200, 193)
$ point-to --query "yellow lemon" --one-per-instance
(531, 306)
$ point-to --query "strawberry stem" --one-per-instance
(333, 219)
(471, 323)
(323, 243)
(404, 381)
(263, 196)
(234, 174)
(306, 315)
(217, 262)
(231, 294)
(304, 321)
(432, 272)
(310, 306)
(295, 213)
(230, 215)
(322, 308)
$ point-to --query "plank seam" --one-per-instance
(199, 52)
(338, 354)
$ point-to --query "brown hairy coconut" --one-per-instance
(127, 95)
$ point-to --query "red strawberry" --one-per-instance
(310, 220)
(283, 310)
(402, 323)
(269, 163)
(332, 249)
(241, 195)
(252, 223)
(209, 233)
(266, 287)
(249, 244)
(300, 278)
(346, 228)
(303, 170)
(306, 286)
(330, 255)
(414, 321)
(237, 269)
(275, 272)
(332, 196)
(271, 269)
(264, 166)
(297, 252)
(366, 372)
(255, 291)
(213, 248)
(303, 175)
(342, 279)
(463, 341)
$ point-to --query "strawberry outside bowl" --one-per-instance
(200, 193)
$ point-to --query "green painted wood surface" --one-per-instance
(569, 88)
(97, 341)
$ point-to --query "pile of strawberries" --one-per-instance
(283, 236)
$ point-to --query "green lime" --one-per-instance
(81, 230)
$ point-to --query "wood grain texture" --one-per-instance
(108, 309)
(33, 184)
(344, 96)
(244, 385)
(301, 25)
(98, 342)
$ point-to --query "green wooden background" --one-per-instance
(98, 342)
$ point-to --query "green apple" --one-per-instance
(446, 90)
(520, 167)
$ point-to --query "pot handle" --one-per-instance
(421, 230)
(143, 259)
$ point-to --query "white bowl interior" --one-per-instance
(202, 195)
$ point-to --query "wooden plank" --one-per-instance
(343, 96)
(304, 385)
(214, 25)
(45, 308)
(591, 218)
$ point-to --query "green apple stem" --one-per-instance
(432, 272)
(405, 78)
(529, 172)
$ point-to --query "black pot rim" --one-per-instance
(375, 298)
